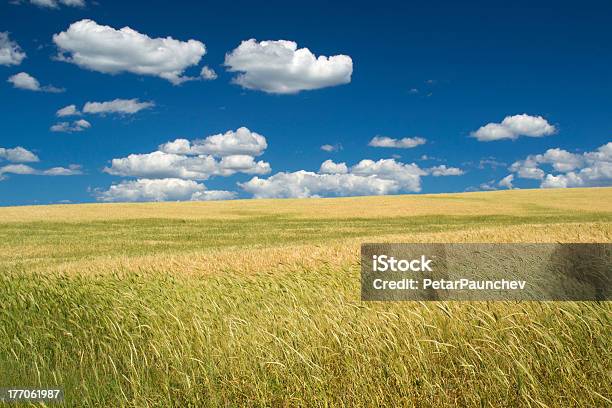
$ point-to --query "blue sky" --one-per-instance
(438, 70)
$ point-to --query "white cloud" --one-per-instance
(405, 143)
(16, 169)
(18, 155)
(331, 148)
(67, 127)
(515, 126)
(329, 167)
(223, 154)
(239, 142)
(208, 73)
(368, 177)
(589, 169)
(168, 165)
(303, 184)
(104, 49)
(280, 67)
(71, 170)
(73, 3)
(23, 169)
(408, 176)
(23, 80)
(56, 3)
(530, 173)
(560, 181)
(10, 52)
(121, 106)
(70, 110)
(507, 182)
(244, 164)
(163, 165)
(561, 160)
(444, 170)
(213, 195)
(167, 189)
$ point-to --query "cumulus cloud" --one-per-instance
(167, 189)
(329, 167)
(280, 67)
(105, 49)
(168, 165)
(70, 110)
(233, 142)
(18, 155)
(10, 52)
(405, 143)
(512, 127)
(208, 73)
(303, 184)
(368, 177)
(223, 154)
(67, 127)
(120, 106)
(589, 169)
(23, 80)
(331, 148)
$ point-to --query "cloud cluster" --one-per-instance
(368, 177)
(21, 155)
(116, 106)
(280, 67)
(105, 49)
(18, 155)
(512, 127)
(568, 169)
(167, 189)
(67, 127)
(168, 165)
(10, 52)
(23, 80)
(405, 143)
(169, 173)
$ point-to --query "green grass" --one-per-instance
(111, 311)
(153, 236)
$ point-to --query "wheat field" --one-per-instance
(257, 303)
